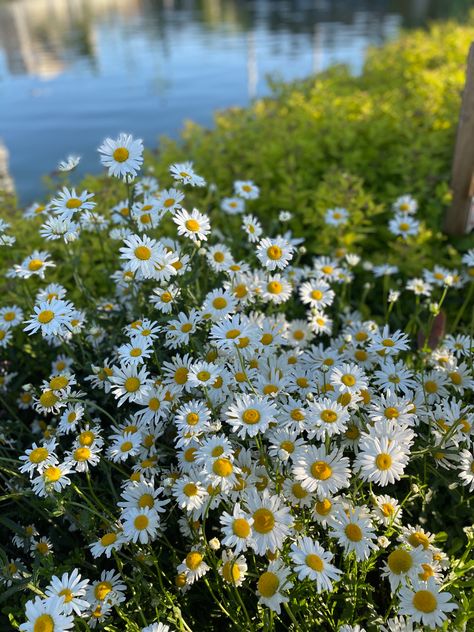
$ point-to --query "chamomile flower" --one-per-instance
(274, 254)
(246, 189)
(273, 584)
(252, 227)
(233, 569)
(53, 478)
(184, 172)
(10, 317)
(136, 352)
(423, 602)
(69, 201)
(316, 294)
(276, 289)
(129, 383)
(142, 255)
(193, 566)
(107, 590)
(404, 226)
(70, 163)
(466, 469)
(46, 615)
(39, 457)
(218, 304)
(387, 510)
(233, 205)
(107, 544)
(190, 493)
(123, 157)
(140, 525)
(336, 216)
(50, 317)
(321, 472)
(313, 562)
(35, 264)
(272, 521)
(237, 529)
(354, 531)
(348, 378)
(249, 415)
(71, 590)
(194, 225)
(402, 564)
(326, 418)
(381, 461)
(405, 204)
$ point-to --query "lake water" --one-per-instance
(75, 71)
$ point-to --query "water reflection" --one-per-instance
(72, 71)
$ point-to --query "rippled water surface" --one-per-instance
(74, 71)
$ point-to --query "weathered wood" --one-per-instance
(462, 179)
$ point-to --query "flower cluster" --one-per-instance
(223, 412)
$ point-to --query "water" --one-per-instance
(75, 71)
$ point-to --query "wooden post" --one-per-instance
(462, 178)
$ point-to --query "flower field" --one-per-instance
(206, 426)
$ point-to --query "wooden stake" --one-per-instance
(462, 179)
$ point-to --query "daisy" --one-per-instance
(313, 562)
(124, 446)
(349, 378)
(184, 172)
(381, 461)
(419, 287)
(326, 418)
(384, 343)
(10, 317)
(69, 164)
(156, 627)
(129, 383)
(271, 583)
(107, 544)
(170, 200)
(53, 478)
(203, 374)
(39, 457)
(336, 216)
(320, 471)
(81, 457)
(354, 531)
(136, 352)
(70, 202)
(36, 263)
(252, 227)
(275, 253)
(46, 615)
(425, 604)
(272, 522)
(71, 590)
(404, 226)
(142, 255)
(405, 204)
(276, 289)
(50, 317)
(233, 568)
(285, 444)
(165, 298)
(194, 225)
(219, 257)
(123, 156)
(249, 415)
(237, 529)
(387, 510)
(233, 205)
(316, 294)
(140, 525)
(403, 564)
(234, 333)
(246, 189)
(190, 493)
(180, 330)
(193, 566)
(218, 304)
(107, 591)
(394, 375)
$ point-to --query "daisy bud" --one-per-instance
(302, 250)
(415, 489)
(383, 542)
(434, 308)
(214, 544)
(393, 296)
(202, 252)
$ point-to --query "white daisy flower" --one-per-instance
(313, 562)
(69, 164)
(272, 521)
(233, 205)
(424, 603)
(275, 254)
(123, 156)
(271, 583)
(194, 225)
(246, 189)
(71, 590)
(193, 566)
(249, 415)
(381, 461)
(233, 568)
(237, 529)
(184, 172)
(140, 525)
(403, 564)
(50, 317)
(69, 201)
(129, 383)
(252, 227)
(46, 615)
(322, 472)
(354, 531)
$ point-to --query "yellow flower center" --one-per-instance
(108, 539)
(427, 572)
(136, 352)
(251, 416)
(232, 334)
(328, 416)
(274, 253)
(67, 594)
(59, 382)
(219, 257)
(86, 438)
(348, 379)
(193, 560)
(126, 446)
(431, 386)
(44, 623)
(102, 590)
(190, 455)
(203, 376)
(275, 287)
(391, 413)
(424, 601)
(142, 252)
(121, 154)
(399, 561)
(353, 532)
(455, 378)
(9, 316)
(387, 342)
(181, 375)
(141, 522)
(417, 537)
(82, 454)
(383, 461)
(52, 474)
(231, 572)
(190, 489)
(46, 316)
(321, 470)
(323, 507)
(217, 451)
(73, 203)
(387, 509)
(219, 302)
(166, 297)
(38, 455)
(192, 419)
(241, 528)
(192, 225)
(268, 584)
(131, 384)
(222, 467)
(263, 520)
(288, 446)
(35, 264)
(186, 328)
(314, 562)
(317, 295)
(48, 399)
